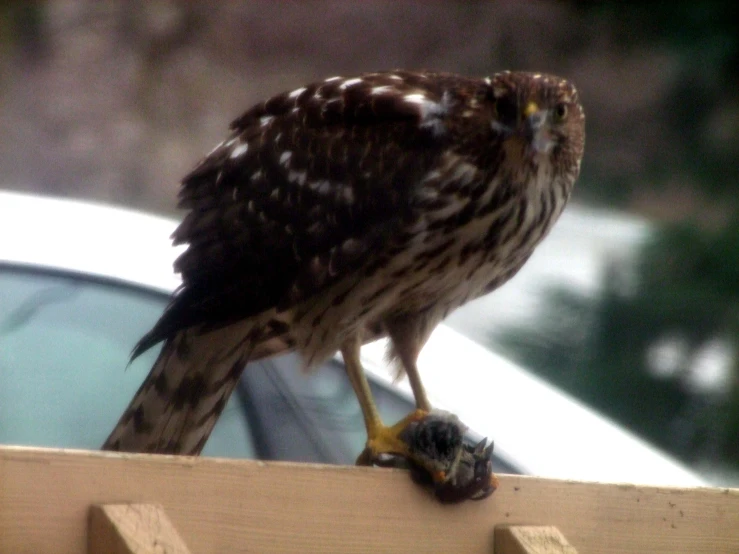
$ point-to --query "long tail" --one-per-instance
(178, 404)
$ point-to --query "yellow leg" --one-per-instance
(407, 339)
(355, 371)
(419, 393)
(380, 439)
(450, 483)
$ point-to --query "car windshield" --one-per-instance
(65, 343)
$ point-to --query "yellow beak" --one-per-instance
(530, 109)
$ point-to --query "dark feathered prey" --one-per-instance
(343, 211)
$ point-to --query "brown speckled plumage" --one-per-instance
(345, 210)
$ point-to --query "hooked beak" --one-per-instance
(533, 129)
(536, 129)
(531, 109)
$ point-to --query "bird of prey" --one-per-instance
(347, 210)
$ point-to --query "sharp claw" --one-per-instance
(432, 446)
(488, 452)
(365, 458)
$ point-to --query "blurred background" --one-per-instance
(637, 310)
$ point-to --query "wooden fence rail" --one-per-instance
(72, 502)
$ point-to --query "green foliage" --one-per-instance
(696, 111)
(686, 289)
(703, 32)
(22, 27)
(693, 260)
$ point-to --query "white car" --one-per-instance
(81, 282)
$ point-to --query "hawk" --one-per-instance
(347, 210)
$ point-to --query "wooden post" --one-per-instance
(132, 529)
(529, 539)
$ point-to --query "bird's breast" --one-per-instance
(450, 256)
(482, 243)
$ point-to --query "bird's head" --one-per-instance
(538, 117)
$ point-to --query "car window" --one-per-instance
(310, 417)
(65, 343)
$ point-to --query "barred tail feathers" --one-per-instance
(178, 404)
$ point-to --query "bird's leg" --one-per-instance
(411, 369)
(431, 444)
(435, 440)
(355, 371)
(380, 438)
(407, 340)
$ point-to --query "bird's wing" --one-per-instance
(309, 184)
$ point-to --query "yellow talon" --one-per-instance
(386, 440)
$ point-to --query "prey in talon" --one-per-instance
(439, 456)
(433, 448)
(346, 210)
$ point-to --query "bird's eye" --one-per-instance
(560, 113)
